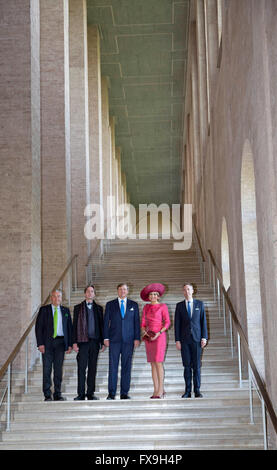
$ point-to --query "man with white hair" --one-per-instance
(54, 338)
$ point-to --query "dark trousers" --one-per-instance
(53, 358)
(126, 352)
(87, 359)
(191, 356)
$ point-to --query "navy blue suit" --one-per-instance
(121, 333)
(190, 331)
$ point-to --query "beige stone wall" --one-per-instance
(20, 271)
(242, 97)
(106, 144)
(79, 132)
(57, 151)
(55, 141)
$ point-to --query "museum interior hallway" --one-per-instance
(219, 420)
(112, 113)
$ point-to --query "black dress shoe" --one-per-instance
(92, 397)
(125, 397)
(59, 398)
(198, 395)
(48, 399)
(79, 398)
(186, 395)
(110, 397)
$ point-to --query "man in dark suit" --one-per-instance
(87, 341)
(191, 336)
(54, 337)
(122, 335)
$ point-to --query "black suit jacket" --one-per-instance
(186, 326)
(98, 316)
(45, 326)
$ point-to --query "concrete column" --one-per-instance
(195, 113)
(20, 232)
(202, 74)
(191, 166)
(116, 177)
(112, 156)
(106, 144)
(124, 187)
(212, 42)
(119, 194)
(95, 120)
(79, 132)
(55, 141)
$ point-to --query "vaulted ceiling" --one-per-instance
(143, 52)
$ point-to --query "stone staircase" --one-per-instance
(220, 420)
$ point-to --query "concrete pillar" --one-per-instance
(20, 247)
(79, 132)
(195, 112)
(106, 144)
(212, 42)
(116, 176)
(203, 104)
(118, 158)
(202, 75)
(112, 156)
(95, 120)
(124, 189)
(55, 141)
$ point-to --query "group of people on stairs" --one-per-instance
(121, 331)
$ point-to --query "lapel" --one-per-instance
(84, 307)
(63, 318)
(50, 315)
(94, 306)
(128, 306)
(117, 308)
(196, 305)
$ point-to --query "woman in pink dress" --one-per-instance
(156, 321)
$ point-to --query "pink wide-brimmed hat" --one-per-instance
(154, 287)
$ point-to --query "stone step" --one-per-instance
(137, 383)
(86, 411)
(119, 432)
(220, 420)
(137, 393)
(85, 421)
(148, 441)
(168, 445)
(136, 403)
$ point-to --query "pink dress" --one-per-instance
(155, 317)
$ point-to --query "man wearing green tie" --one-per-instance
(54, 337)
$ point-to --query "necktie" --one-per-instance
(122, 308)
(189, 309)
(55, 322)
